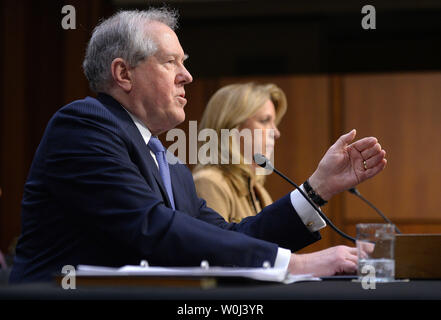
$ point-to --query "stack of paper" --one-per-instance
(262, 274)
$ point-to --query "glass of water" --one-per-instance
(375, 249)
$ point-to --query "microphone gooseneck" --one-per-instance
(358, 194)
(263, 162)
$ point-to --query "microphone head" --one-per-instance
(263, 161)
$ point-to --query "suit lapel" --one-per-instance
(175, 183)
(133, 132)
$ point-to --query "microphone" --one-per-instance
(263, 162)
(358, 194)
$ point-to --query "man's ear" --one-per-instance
(121, 74)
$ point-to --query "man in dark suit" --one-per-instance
(99, 193)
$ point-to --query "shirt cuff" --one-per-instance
(282, 258)
(306, 212)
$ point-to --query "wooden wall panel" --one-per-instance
(13, 126)
(29, 97)
(41, 66)
(75, 85)
(404, 112)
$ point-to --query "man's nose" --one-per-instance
(184, 76)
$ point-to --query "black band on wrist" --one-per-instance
(313, 195)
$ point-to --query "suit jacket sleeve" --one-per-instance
(277, 223)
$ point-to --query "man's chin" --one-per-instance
(171, 124)
(181, 117)
(178, 118)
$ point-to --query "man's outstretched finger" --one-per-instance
(370, 172)
(376, 159)
(364, 143)
(369, 152)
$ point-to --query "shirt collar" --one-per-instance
(145, 132)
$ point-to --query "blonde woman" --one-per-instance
(235, 190)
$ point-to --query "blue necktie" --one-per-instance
(158, 149)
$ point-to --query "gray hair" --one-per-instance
(122, 36)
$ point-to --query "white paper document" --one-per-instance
(262, 274)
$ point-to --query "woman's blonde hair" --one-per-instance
(232, 105)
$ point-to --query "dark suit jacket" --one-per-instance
(94, 196)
